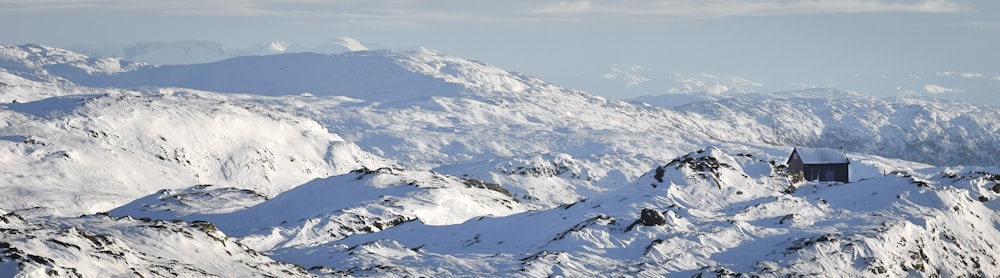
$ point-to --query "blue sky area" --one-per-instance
(599, 46)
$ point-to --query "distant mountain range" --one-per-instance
(650, 85)
(969, 87)
(192, 52)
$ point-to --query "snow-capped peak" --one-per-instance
(350, 44)
(278, 46)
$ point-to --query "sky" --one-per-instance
(617, 48)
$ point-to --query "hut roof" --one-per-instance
(821, 155)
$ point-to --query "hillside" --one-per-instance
(926, 130)
(98, 245)
(708, 212)
(91, 153)
(415, 163)
(463, 100)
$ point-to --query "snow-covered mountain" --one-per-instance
(708, 212)
(973, 87)
(926, 130)
(415, 163)
(91, 153)
(52, 65)
(102, 246)
(158, 53)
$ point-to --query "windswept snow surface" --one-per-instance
(91, 153)
(330, 209)
(719, 214)
(101, 246)
(388, 163)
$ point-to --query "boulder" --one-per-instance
(652, 217)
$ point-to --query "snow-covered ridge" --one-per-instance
(33, 61)
(708, 212)
(331, 209)
(86, 154)
(926, 130)
(101, 246)
(370, 75)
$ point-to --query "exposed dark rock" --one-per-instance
(787, 218)
(659, 174)
(652, 217)
(487, 185)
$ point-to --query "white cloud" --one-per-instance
(565, 8)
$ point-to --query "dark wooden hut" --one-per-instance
(819, 164)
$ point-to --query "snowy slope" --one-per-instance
(330, 209)
(15, 88)
(426, 109)
(926, 130)
(101, 246)
(709, 212)
(90, 153)
(43, 63)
